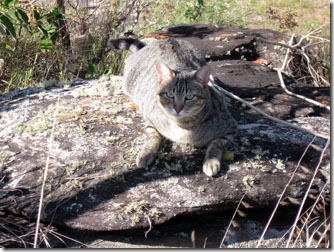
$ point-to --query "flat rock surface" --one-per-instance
(92, 181)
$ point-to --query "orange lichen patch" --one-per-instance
(325, 102)
(101, 99)
(126, 98)
(86, 102)
(156, 36)
(80, 117)
(229, 35)
(65, 117)
(100, 112)
(90, 102)
(261, 61)
(281, 40)
(132, 106)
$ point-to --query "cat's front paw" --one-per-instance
(145, 160)
(211, 167)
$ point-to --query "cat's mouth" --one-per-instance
(177, 114)
(181, 115)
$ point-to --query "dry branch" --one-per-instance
(219, 90)
(232, 219)
(45, 175)
(279, 72)
(282, 194)
(307, 192)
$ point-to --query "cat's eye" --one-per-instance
(190, 97)
(169, 95)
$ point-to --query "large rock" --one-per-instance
(93, 183)
(220, 44)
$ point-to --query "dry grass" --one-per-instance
(308, 14)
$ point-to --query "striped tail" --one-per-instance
(126, 44)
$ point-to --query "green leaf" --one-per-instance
(228, 155)
(37, 15)
(22, 16)
(42, 29)
(54, 15)
(46, 45)
(11, 14)
(8, 3)
(5, 21)
(9, 49)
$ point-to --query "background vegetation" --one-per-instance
(51, 42)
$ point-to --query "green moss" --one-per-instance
(70, 170)
(74, 184)
(248, 180)
(139, 210)
(3, 157)
(201, 189)
(40, 123)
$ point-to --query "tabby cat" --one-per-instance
(168, 81)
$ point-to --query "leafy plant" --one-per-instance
(195, 11)
(285, 20)
(11, 16)
(15, 20)
(21, 30)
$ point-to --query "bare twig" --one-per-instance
(299, 96)
(283, 192)
(306, 194)
(45, 175)
(56, 234)
(324, 233)
(220, 90)
(287, 52)
(229, 225)
(310, 210)
(323, 224)
(193, 238)
(150, 227)
(315, 31)
(279, 72)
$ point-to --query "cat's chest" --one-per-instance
(195, 136)
(179, 135)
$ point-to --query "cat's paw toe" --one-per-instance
(145, 160)
(211, 167)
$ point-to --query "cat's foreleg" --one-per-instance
(150, 149)
(214, 153)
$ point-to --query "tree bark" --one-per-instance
(62, 26)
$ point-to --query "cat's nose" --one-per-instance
(178, 107)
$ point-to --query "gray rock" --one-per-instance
(93, 183)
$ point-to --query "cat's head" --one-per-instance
(183, 94)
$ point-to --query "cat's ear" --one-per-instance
(203, 75)
(164, 73)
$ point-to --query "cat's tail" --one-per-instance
(126, 44)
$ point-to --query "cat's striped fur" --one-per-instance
(168, 81)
